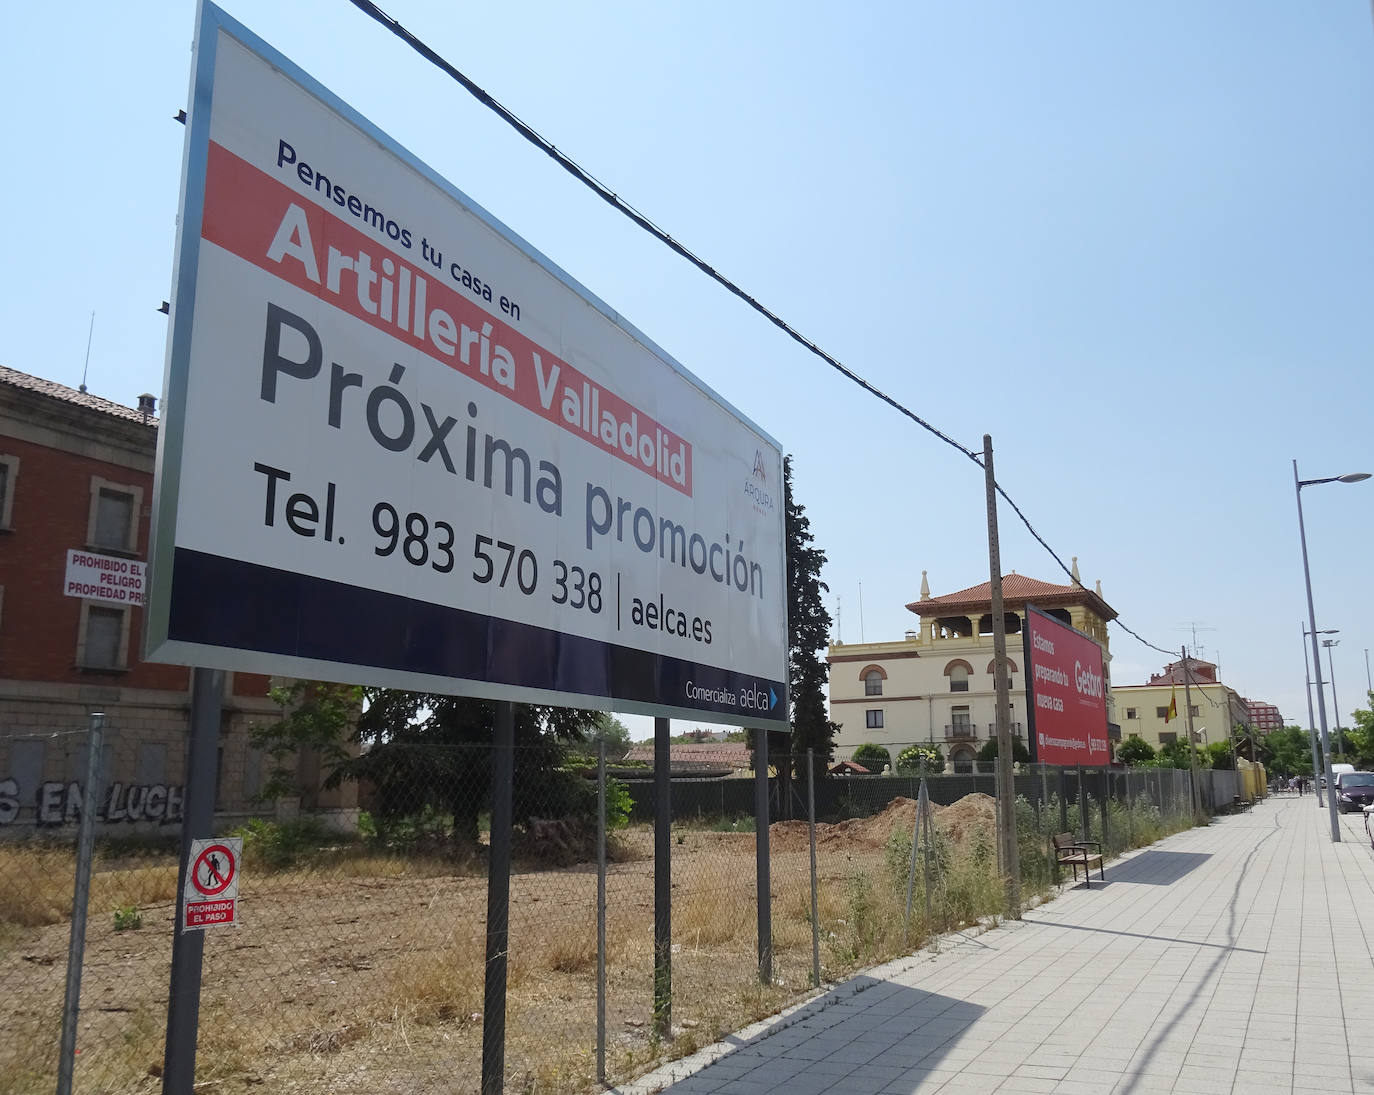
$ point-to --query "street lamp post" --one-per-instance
(1298, 484)
(1335, 703)
(1311, 721)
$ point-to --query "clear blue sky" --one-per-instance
(1133, 243)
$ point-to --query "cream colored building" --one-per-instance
(1216, 708)
(936, 685)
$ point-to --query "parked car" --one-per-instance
(1354, 790)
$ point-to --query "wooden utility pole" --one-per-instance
(1007, 854)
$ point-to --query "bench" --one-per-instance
(1072, 852)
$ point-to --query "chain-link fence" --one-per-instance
(358, 962)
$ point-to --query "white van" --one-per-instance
(1336, 770)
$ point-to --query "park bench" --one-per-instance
(1071, 852)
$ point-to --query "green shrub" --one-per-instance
(873, 757)
(127, 918)
(909, 759)
(281, 845)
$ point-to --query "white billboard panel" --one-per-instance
(401, 447)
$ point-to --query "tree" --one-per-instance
(910, 758)
(1286, 752)
(1174, 754)
(1220, 756)
(315, 719)
(428, 755)
(1360, 738)
(1019, 753)
(808, 633)
(1135, 751)
(873, 757)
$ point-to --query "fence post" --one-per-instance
(663, 882)
(761, 864)
(921, 799)
(81, 899)
(198, 817)
(498, 901)
(1104, 781)
(601, 911)
(815, 902)
(1082, 805)
(1063, 800)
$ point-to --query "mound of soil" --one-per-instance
(959, 821)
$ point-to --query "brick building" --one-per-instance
(76, 487)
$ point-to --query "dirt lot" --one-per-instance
(364, 974)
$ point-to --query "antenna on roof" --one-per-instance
(1195, 627)
(87, 365)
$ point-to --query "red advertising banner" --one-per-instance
(1066, 696)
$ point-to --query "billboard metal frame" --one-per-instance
(770, 711)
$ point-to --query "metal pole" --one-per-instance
(81, 899)
(601, 911)
(1006, 786)
(815, 897)
(663, 883)
(921, 798)
(763, 882)
(1312, 723)
(198, 817)
(1335, 703)
(1188, 721)
(1317, 662)
(498, 901)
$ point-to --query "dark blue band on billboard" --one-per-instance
(229, 603)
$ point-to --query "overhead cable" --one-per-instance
(620, 205)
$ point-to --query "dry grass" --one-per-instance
(364, 973)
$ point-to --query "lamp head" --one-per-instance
(1353, 477)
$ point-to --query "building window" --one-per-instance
(103, 641)
(1194, 710)
(1167, 738)
(9, 473)
(958, 717)
(958, 679)
(1130, 713)
(1161, 712)
(113, 520)
(873, 683)
(873, 718)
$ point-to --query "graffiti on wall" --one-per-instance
(59, 802)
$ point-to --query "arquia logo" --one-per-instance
(756, 487)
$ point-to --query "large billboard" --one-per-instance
(401, 447)
(1066, 696)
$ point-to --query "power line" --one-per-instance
(620, 205)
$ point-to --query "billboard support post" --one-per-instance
(183, 997)
(763, 884)
(1006, 786)
(663, 883)
(498, 902)
(601, 909)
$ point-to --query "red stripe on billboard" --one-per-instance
(266, 223)
(1066, 693)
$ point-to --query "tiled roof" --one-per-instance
(1017, 590)
(15, 379)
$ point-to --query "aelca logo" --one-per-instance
(756, 486)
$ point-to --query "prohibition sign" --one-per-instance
(214, 870)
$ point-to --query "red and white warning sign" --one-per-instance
(212, 883)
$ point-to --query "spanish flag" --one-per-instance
(1172, 713)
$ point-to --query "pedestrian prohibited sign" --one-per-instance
(210, 898)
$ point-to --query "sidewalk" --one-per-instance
(1207, 963)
